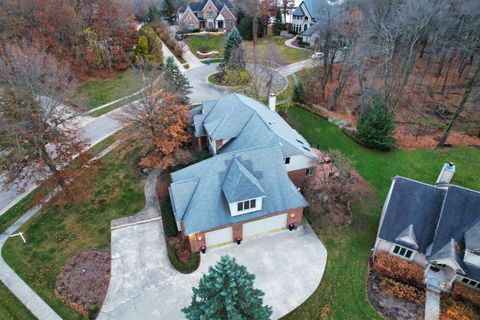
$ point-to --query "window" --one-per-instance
(402, 252)
(309, 172)
(210, 24)
(246, 205)
(287, 160)
(471, 283)
(210, 13)
(190, 26)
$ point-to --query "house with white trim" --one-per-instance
(207, 15)
(435, 226)
(251, 185)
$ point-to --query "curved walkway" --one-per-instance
(289, 43)
(144, 285)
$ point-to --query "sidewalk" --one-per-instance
(39, 308)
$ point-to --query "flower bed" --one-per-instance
(399, 269)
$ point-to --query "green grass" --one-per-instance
(288, 55)
(342, 290)
(95, 93)
(114, 106)
(21, 207)
(11, 308)
(287, 93)
(55, 235)
(212, 43)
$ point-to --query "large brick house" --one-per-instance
(435, 226)
(207, 14)
(250, 185)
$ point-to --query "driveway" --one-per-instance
(288, 268)
(202, 89)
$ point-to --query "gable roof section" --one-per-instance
(240, 184)
(207, 207)
(472, 237)
(298, 12)
(412, 203)
(460, 212)
(180, 194)
(408, 236)
(199, 5)
(449, 251)
(251, 124)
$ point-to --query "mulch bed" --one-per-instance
(389, 306)
(83, 282)
(182, 248)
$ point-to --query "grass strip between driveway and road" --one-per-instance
(55, 235)
(342, 293)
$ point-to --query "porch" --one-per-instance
(440, 277)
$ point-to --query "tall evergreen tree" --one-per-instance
(376, 125)
(175, 82)
(168, 10)
(278, 25)
(233, 41)
(227, 292)
(299, 94)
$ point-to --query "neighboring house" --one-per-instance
(435, 226)
(245, 190)
(207, 14)
(309, 15)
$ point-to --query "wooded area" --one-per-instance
(421, 55)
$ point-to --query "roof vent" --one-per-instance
(446, 175)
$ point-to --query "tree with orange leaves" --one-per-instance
(39, 134)
(158, 125)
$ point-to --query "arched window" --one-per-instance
(306, 27)
(306, 18)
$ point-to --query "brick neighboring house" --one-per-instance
(207, 14)
(435, 226)
(245, 190)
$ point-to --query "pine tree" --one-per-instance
(278, 25)
(233, 41)
(376, 125)
(226, 292)
(175, 82)
(168, 10)
(299, 95)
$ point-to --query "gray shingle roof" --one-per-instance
(252, 125)
(412, 203)
(298, 12)
(240, 184)
(472, 237)
(207, 207)
(445, 219)
(198, 6)
(408, 232)
(459, 213)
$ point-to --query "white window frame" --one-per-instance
(247, 203)
(405, 251)
(210, 14)
(467, 281)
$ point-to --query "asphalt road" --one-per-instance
(97, 129)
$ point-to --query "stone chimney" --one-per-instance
(272, 101)
(446, 175)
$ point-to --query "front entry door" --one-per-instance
(220, 24)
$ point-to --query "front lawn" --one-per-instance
(55, 235)
(342, 293)
(11, 308)
(287, 54)
(95, 93)
(211, 43)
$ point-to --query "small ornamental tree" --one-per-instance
(175, 82)
(299, 94)
(232, 43)
(376, 125)
(148, 51)
(227, 292)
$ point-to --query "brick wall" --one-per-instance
(298, 177)
(188, 19)
(197, 240)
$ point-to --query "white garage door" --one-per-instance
(219, 237)
(263, 226)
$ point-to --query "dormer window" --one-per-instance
(246, 205)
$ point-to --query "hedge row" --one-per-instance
(399, 269)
